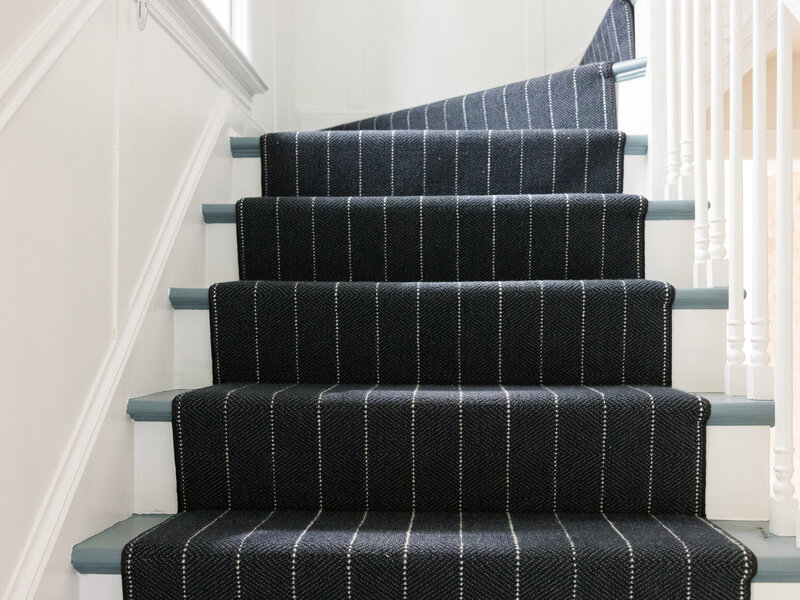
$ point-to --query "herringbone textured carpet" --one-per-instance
(441, 238)
(441, 448)
(614, 40)
(434, 555)
(443, 373)
(513, 332)
(442, 163)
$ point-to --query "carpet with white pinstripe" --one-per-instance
(443, 374)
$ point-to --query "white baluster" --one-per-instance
(686, 182)
(671, 191)
(651, 14)
(701, 254)
(759, 373)
(783, 510)
(717, 270)
(735, 370)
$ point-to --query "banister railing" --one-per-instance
(729, 250)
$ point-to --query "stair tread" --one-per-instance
(725, 410)
(504, 431)
(778, 558)
(685, 299)
(664, 210)
(308, 550)
(101, 554)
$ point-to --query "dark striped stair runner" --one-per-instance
(615, 38)
(513, 332)
(458, 238)
(413, 163)
(442, 374)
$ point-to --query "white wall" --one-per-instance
(56, 166)
(90, 165)
(356, 58)
(19, 19)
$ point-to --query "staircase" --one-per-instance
(443, 367)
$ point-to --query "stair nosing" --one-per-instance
(628, 70)
(250, 147)
(685, 299)
(778, 560)
(726, 411)
(664, 210)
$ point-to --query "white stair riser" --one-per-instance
(222, 259)
(737, 473)
(635, 177)
(154, 472)
(737, 481)
(698, 349)
(246, 178)
(668, 252)
(641, 26)
(109, 587)
(633, 106)
(100, 587)
(775, 591)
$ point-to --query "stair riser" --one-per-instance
(246, 171)
(774, 591)
(109, 587)
(100, 587)
(740, 493)
(246, 178)
(632, 107)
(698, 351)
(674, 265)
(635, 180)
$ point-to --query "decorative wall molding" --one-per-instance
(39, 52)
(196, 29)
(36, 553)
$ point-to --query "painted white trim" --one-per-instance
(794, 7)
(198, 32)
(770, 36)
(38, 53)
(39, 545)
